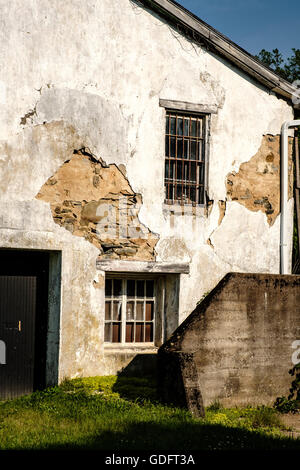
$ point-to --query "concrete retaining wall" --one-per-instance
(240, 339)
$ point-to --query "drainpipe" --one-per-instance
(284, 260)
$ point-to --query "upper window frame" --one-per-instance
(188, 111)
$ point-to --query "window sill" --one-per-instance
(184, 209)
(124, 348)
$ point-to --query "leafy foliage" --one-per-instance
(292, 402)
(289, 70)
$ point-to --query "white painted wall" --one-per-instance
(92, 73)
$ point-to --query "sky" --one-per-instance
(253, 24)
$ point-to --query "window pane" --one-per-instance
(173, 126)
(149, 332)
(130, 310)
(167, 125)
(117, 287)
(185, 194)
(170, 194)
(178, 191)
(149, 288)
(140, 310)
(149, 311)
(107, 310)
(172, 170)
(193, 173)
(186, 149)
(182, 193)
(179, 170)
(201, 195)
(117, 310)
(179, 126)
(188, 192)
(200, 150)
(169, 169)
(186, 175)
(130, 288)
(193, 127)
(167, 146)
(107, 331)
(179, 148)
(140, 292)
(201, 171)
(108, 287)
(193, 194)
(172, 147)
(186, 127)
(129, 332)
(116, 333)
(200, 128)
(139, 332)
(193, 146)
(167, 166)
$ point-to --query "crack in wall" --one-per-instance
(222, 211)
(29, 115)
(208, 241)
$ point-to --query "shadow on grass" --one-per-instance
(179, 438)
(138, 380)
(137, 388)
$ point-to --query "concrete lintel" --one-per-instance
(185, 106)
(142, 267)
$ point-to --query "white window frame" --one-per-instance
(124, 299)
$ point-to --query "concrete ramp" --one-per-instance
(236, 347)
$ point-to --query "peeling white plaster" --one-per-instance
(93, 72)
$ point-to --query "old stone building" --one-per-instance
(139, 163)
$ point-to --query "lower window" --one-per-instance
(129, 310)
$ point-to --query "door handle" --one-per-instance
(20, 325)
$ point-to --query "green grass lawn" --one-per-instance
(121, 414)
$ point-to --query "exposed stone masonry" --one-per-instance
(95, 201)
(257, 183)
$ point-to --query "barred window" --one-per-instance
(129, 310)
(185, 158)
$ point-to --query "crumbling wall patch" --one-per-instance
(94, 200)
(257, 183)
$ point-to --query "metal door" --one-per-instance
(17, 335)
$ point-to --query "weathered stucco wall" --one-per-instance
(87, 77)
(237, 345)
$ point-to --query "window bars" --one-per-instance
(185, 158)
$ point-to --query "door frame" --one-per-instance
(46, 265)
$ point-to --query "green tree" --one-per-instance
(293, 66)
(289, 69)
